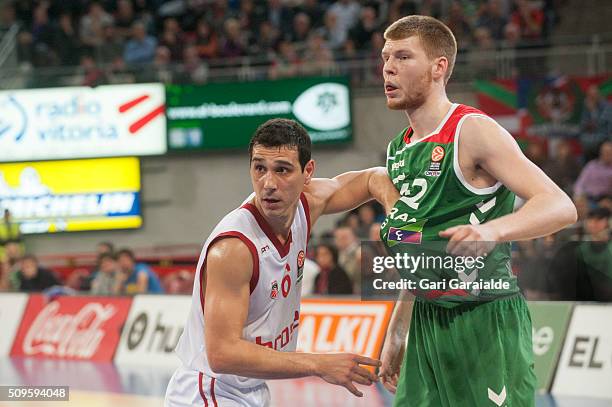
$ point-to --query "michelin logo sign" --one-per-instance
(72, 195)
(81, 122)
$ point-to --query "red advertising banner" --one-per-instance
(77, 328)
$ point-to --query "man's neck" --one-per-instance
(427, 117)
(281, 225)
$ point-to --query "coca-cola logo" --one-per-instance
(64, 335)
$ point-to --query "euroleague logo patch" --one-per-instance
(301, 258)
(437, 154)
(274, 291)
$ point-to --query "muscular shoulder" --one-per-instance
(231, 257)
(481, 137)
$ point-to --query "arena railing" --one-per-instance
(561, 55)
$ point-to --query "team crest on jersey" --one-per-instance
(301, 258)
(274, 291)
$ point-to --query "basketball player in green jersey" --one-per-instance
(457, 172)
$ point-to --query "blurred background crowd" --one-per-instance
(109, 41)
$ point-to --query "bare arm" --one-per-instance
(349, 190)
(228, 273)
(392, 354)
(547, 208)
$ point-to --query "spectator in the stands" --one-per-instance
(141, 48)
(106, 280)
(460, 26)
(332, 279)
(493, 19)
(314, 10)
(43, 37)
(367, 216)
(136, 278)
(233, 44)
(349, 254)
(8, 17)
(111, 48)
(595, 123)
(318, 58)
(333, 34)
(206, 40)
(9, 229)
(279, 15)
(172, 38)
(300, 31)
(595, 180)
(162, 71)
(481, 56)
(268, 41)
(361, 34)
(347, 12)
(124, 18)
(66, 41)
(30, 276)
(92, 25)
(89, 73)
(194, 69)
(285, 63)
(105, 248)
(529, 19)
(563, 168)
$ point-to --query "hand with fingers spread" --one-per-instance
(343, 369)
(391, 357)
(469, 240)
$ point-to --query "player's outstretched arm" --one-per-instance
(349, 190)
(547, 208)
(395, 341)
(227, 288)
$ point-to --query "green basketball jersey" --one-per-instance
(435, 196)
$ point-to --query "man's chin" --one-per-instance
(395, 104)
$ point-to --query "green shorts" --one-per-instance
(472, 355)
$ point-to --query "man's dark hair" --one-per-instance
(127, 252)
(332, 250)
(105, 256)
(599, 213)
(283, 133)
(109, 245)
(30, 257)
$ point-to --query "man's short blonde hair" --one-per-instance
(436, 38)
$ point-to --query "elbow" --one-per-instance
(219, 361)
(570, 214)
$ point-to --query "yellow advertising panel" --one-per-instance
(76, 195)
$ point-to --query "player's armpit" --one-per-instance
(485, 144)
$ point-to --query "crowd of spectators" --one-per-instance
(110, 40)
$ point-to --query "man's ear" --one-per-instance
(439, 68)
(309, 170)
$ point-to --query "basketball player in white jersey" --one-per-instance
(243, 324)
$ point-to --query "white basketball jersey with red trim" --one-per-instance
(274, 304)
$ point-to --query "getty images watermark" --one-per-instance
(480, 272)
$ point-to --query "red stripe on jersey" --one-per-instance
(202, 389)
(252, 249)
(212, 391)
(307, 212)
(431, 294)
(283, 249)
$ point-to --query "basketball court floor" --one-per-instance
(106, 385)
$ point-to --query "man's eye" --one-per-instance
(282, 170)
(259, 168)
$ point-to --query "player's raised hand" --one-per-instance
(343, 369)
(391, 357)
(469, 240)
